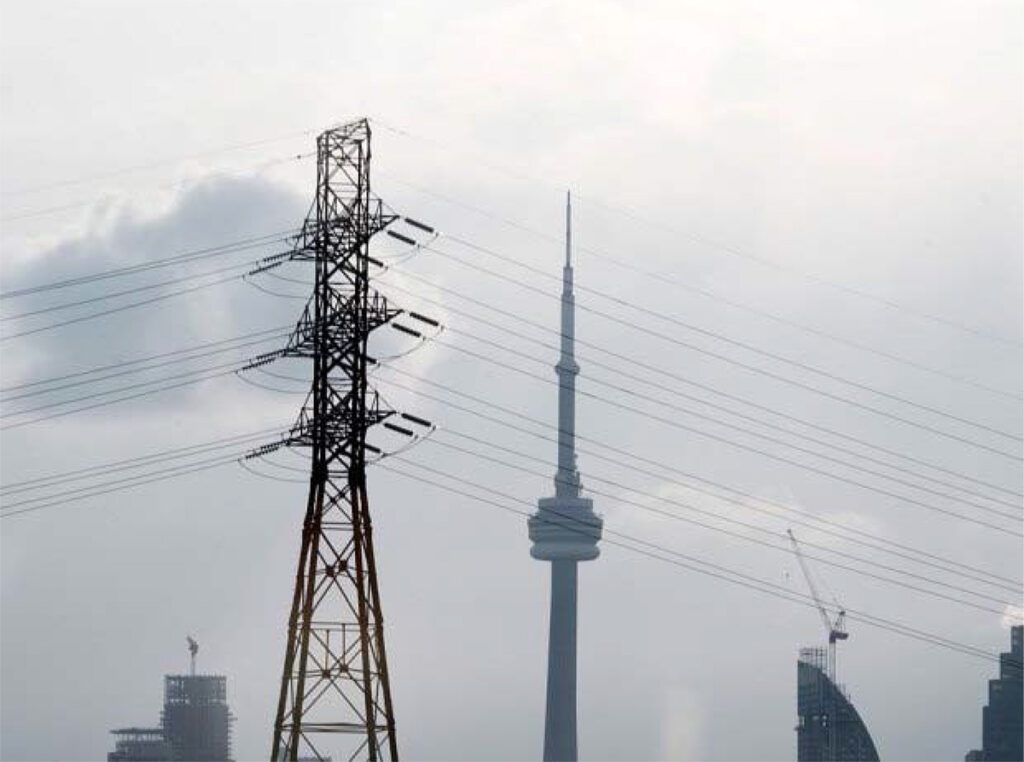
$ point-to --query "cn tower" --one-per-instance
(564, 530)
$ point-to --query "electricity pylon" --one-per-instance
(335, 676)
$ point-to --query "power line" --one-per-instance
(129, 482)
(731, 361)
(260, 167)
(126, 292)
(210, 372)
(78, 493)
(139, 461)
(676, 517)
(133, 371)
(269, 333)
(1012, 588)
(726, 248)
(725, 339)
(759, 421)
(753, 583)
(764, 453)
(646, 366)
(171, 474)
(674, 376)
(745, 524)
(632, 456)
(678, 283)
(128, 387)
(187, 256)
(204, 373)
(1016, 584)
(678, 408)
(703, 567)
(122, 308)
(198, 377)
(151, 165)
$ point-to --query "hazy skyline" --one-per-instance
(871, 145)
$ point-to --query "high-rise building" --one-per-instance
(196, 719)
(1001, 724)
(824, 709)
(195, 724)
(564, 530)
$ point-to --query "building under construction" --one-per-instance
(140, 745)
(195, 723)
(196, 719)
(829, 727)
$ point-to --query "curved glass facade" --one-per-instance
(818, 701)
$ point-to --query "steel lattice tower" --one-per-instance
(335, 677)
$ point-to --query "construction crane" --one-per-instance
(836, 632)
(834, 628)
(193, 649)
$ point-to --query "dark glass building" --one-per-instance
(1001, 724)
(823, 709)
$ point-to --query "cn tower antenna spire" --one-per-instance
(568, 229)
(567, 480)
(564, 530)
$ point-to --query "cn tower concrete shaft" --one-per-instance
(564, 530)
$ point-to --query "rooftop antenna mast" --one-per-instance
(193, 649)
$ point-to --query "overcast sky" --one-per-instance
(847, 168)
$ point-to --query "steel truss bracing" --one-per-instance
(334, 686)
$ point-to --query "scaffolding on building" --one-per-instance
(140, 745)
(196, 719)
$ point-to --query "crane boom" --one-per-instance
(810, 583)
